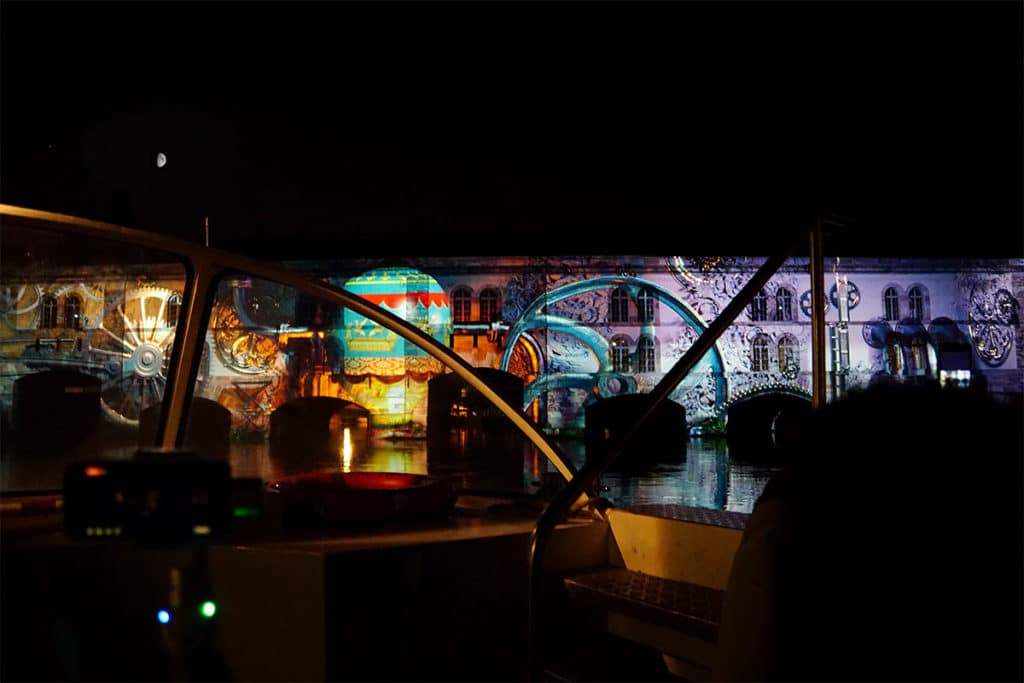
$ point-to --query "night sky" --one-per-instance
(385, 128)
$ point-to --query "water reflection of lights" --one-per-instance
(397, 460)
(746, 482)
(705, 477)
(346, 450)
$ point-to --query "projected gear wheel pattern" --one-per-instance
(18, 300)
(135, 338)
(241, 348)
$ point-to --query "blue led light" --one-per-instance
(163, 616)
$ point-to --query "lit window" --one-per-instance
(461, 305)
(759, 354)
(645, 354)
(73, 312)
(915, 299)
(893, 355)
(620, 355)
(891, 302)
(917, 362)
(645, 305)
(788, 353)
(759, 307)
(784, 305)
(490, 305)
(48, 312)
(172, 311)
(619, 306)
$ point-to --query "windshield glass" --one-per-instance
(86, 330)
(286, 382)
(293, 383)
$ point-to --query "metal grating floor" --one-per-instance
(687, 513)
(683, 606)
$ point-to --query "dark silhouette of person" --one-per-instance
(888, 549)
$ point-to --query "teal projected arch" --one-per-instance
(534, 318)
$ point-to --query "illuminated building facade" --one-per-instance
(574, 329)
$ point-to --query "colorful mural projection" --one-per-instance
(576, 330)
(118, 329)
(578, 356)
(249, 370)
(381, 370)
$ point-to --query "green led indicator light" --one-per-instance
(208, 609)
(246, 512)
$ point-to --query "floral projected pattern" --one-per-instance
(992, 315)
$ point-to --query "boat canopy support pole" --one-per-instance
(187, 354)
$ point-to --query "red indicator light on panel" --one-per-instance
(93, 471)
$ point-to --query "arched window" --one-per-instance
(48, 312)
(172, 311)
(788, 355)
(645, 305)
(462, 302)
(490, 305)
(891, 303)
(645, 354)
(619, 311)
(784, 304)
(759, 307)
(620, 354)
(759, 354)
(73, 312)
(915, 300)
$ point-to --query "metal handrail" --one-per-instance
(560, 505)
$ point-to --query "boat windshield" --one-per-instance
(275, 372)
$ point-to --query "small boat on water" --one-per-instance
(663, 438)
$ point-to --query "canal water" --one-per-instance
(703, 476)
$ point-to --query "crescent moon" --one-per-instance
(161, 160)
